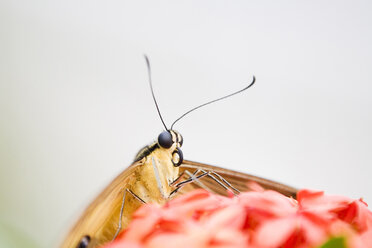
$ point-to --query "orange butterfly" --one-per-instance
(157, 174)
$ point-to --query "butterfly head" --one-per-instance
(171, 139)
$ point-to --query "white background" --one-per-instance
(76, 106)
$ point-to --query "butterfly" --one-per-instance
(158, 174)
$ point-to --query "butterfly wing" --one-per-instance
(237, 179)
(100, 220)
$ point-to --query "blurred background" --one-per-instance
(76, 106)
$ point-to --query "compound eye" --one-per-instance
(181, 140)
(165, 139)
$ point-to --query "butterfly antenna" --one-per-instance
(218, 99)
(152, 90)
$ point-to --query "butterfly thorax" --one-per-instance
(152, 179)
(159, 168)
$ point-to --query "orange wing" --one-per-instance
(100, 219)
(238, 179)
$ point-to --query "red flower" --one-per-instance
(260, 219)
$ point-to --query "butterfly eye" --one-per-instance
(165, 139)
(84, 242)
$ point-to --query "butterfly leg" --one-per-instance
(194, 178)
(216, 177)
(191, 179)
(212, 175)
(122, 209)
(182, 175)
